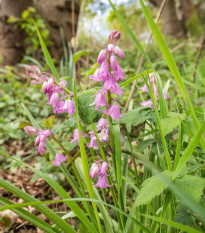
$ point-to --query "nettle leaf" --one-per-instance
(170, 123)
(152, 187)
(192, 186)
(137, 116)
(87, 113)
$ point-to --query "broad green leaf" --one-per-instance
(193, 186)
(87, 113)
(137, 116)
(170, 123)
(152, 187)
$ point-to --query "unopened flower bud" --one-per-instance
(114, 35)
(94, 170)
(30, 130)
(119, 52)
(102, 56)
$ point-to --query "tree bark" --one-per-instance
(11, 40)
(171, 24)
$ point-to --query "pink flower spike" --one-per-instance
(104, 135)
(102, 124)
(54, 100)
(103, 171)
(114, 112)
(119, 52)
(59, 158)
(30, 130)
(102, 182)
(147, 103)
(113, 62)
(93, 143)
(102, 56)
(76, 135)
(111, 48)
(100, 100)
(94, 170)
(69, 107)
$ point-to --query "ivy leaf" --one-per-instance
(87, 113)
(152, 187)
(170, 123)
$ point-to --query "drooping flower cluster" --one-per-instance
(99, 168)
(144, 88)
(109, 72)
(103, 134)
(52, 89)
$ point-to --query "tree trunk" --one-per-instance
(172, 24)
(11, 40)
(59, 14)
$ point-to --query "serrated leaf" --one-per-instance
(170, 123)
(152, 187)
(136, 116)
(192, 185)
(87, 113)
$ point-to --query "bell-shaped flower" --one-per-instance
(147, 103)
(76, 136)
(103, 170)
(30, 130)
(111, 84)
(102, 182)
(93, 143)
(54, 100)
(102, 56)
(103, 71)
(113, 62)
(111, 48)
(48, 86)
(144, 88)
(59, 158)
(41, 147)
(118, 73)
(114, 112)
(94, 170)
(69, 107)
(100, 100)
(119, 52)
(104, 135)
(102, 124)
(59, 107)
(95, 76)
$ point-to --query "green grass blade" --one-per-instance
(190, 148)
(43, 209)
(85, 159)
(62, 193)
(47, 56)
(170, 62)
(178, 148)
(29, 217)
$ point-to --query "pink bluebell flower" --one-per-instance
(54, 100)
(36, 76)
(102, 182)
(30, 130)
(111, 84)
(111, 48)
(102, 124)
(76, 135)
(94, 170)
(165, 96)
(147, 103)
(114, 112)
(119, 52)
(93, 143)
(102, 56)
(59, 158)
(104, 135)
(113, 62)
(100, 100)
(69, 106)
(118, 73)
(103, 170)
(59, 107)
